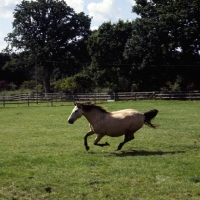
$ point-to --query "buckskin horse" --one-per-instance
(102, 122)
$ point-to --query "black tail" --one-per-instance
(148, 116)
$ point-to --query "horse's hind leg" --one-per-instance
(127, 137)
(97, 139)
(85, 139)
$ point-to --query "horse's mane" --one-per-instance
(90, 106)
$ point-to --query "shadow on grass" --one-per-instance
(144, 153)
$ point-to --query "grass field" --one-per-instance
(43, 157)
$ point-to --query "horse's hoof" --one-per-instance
(87, 148)
(107, 144)
(119, 148)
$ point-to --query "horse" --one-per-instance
(104, 123)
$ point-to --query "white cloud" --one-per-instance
(6, 12)
(104, 11)
(9, 2)
(132, 2)
(77, 5)
(1, 35)
(7, 8)
(2, 43)
(94, 28)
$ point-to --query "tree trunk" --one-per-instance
(46, 80)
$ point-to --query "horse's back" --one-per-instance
(130, 116)
(126, 113)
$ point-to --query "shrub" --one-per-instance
(31, 85)
(134, 87)
(77, 83)
(28, 85)
(13, 86)
(172, 86)
(4, 85)
(67, 84)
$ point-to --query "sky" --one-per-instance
(100, 11)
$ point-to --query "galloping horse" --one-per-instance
(102, 122)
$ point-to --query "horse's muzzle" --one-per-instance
(70, 121)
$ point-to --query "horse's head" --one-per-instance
(77, 112)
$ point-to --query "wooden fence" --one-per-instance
(64, 97)
(193, 95)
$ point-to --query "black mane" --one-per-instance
(90, 106)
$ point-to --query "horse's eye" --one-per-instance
(76, 111)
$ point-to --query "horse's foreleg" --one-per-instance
(97, 139)
(127, 138)
(85, 139)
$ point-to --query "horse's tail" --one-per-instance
(148, 116)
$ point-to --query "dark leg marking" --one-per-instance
(127, 138)
(97, 139)
(85, 139)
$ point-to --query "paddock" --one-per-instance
(42, 156)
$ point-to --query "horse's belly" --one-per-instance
(110, 130)
(117, 132)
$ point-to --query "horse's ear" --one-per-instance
(78, 104)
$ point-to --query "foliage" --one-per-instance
(84, 83)
(134, 87)
(106, 46)
(43, 157)
(175, 86)
(28, 85)
(67, 84)
(79, 83)
(13, 86)
(16, 92)
(32, 86)
(48, 31)
(4, 85)
(15, 77)
(4, 58)
(164, 37)
(146, 54)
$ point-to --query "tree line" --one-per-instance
(54, 46)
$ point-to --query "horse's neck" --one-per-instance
(94, 116)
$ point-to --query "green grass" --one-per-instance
(43, 157)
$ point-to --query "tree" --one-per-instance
(15, 76)
(165, 36)
(3, 59)
(106, 46)
(49, 32)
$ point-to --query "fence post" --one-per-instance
(4, 102)
(28, 101)
(37, 98)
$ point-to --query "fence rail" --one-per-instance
(51, 97)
